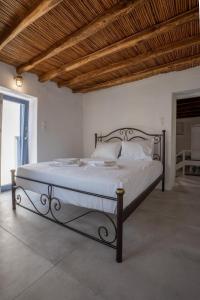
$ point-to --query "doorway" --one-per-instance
(14, 137)
(187, 137)
(175, 97)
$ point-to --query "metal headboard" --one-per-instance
(129, 134)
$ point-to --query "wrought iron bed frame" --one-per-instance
(53, 204)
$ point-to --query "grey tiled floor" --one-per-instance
(40, 260)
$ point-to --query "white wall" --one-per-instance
(59, 110)
(146, 104)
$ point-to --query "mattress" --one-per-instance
(133, 176)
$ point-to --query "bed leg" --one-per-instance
(13, 189)
(120, 194)
(163, 184)
(163, 160)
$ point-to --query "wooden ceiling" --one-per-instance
(188, 108)
(93, 44)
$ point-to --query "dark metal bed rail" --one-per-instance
(68, 188)
(53, 204)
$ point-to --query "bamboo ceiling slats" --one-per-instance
(100, 22)
(146, 66)
(109, 78)
(10, 8)
(38, 40)
(125, 43)
(145, 73)
(79, 80)
(70, 27)
(31, 16)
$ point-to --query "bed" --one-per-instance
(112, 192)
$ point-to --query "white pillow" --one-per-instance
(107, 150)
(135, 150)
(148, 146)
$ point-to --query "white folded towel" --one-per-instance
(102, 163)
(57, 164)
(67, 161)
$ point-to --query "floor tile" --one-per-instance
(169, 266)
(19, 266)
(46, 238)
(41, 260)
(57, 284)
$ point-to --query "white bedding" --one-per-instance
(133, 176)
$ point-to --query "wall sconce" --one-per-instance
(19, 80)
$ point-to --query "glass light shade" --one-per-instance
(19, 80)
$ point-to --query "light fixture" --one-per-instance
(19, 80)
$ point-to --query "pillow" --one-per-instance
(135, 150)
(107, 150)
(148, 146)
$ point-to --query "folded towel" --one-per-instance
(62, 164)
(102, 163)
(67, 161)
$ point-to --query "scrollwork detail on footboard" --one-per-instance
(104, 229)
(53, 205)
(44, 200)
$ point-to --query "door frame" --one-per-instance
(177, 96)
(7, 187)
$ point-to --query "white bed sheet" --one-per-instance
(133, 176)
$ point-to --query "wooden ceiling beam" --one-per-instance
(188, 115)
(192, 108)
(186, 105)
(189, 109)
(124, 43)
(99, 23)
(173, 66)
(188, 100)
(196, 110)
(87, 77)
(38, 10)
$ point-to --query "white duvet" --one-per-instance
(133, 176)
